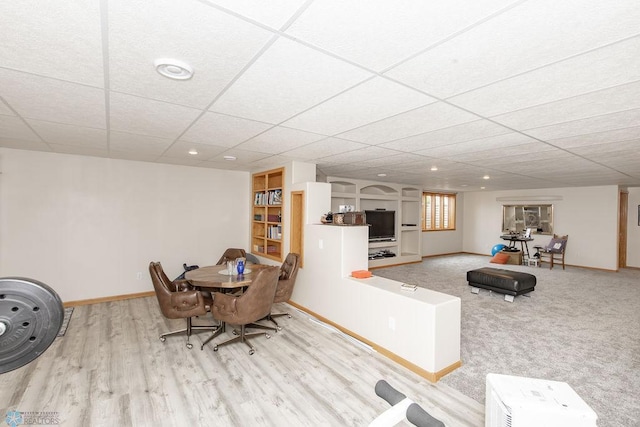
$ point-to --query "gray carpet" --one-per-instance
(579, 326)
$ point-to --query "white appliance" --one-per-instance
(528, 402)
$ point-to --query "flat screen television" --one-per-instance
(382, 225)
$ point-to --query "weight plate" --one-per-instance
(31, 314)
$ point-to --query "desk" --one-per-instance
(209, 278)
(513, 238)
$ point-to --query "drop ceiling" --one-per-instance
(534, 94)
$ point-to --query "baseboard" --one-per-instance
(108, 299)
(430, 376)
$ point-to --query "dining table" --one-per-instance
(216, 278)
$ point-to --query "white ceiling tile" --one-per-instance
(469, 150)
(53, 100)
(280, 139)
(602, 68)
(369, 152)
(607, 122)
(378, 33)
(371, 101)
(222, 130)
(146, 145)
(618, 98)
(180, 150)
(12, 127)
(621, 149)
(324, 148)
(214, 43)
(4, 109)
(133, 114)
(33, 39)
(80, 150)
(56, 133)
(623, 134)
(424, 119)
(451, 135)
(22, 144)
(526, 37)
(274, 13)
(287, 79)
(243, 157)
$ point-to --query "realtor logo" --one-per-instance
(14, 418)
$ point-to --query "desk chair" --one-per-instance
(178, 300)
(286, 281)
(231, 254)
(554, 251)
(254, 304)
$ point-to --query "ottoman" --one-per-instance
(507, 282)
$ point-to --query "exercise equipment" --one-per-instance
(497, 248)
(401, 407)
(31, 314)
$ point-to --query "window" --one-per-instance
(438, 211)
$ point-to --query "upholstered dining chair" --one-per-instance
(286, 281)
(254, 304)
(231, 254)
(554, 251)
(178, 300)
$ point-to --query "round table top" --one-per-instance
(210, 277)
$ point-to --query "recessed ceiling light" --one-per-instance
(482, 188)
(434, 168)
(382, 174)
(486, 177)
(464, 185)
(173, 68)
(229, 158)
(193, 152)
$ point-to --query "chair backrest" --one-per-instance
(173, 304)
(558, 244)
(231, 254)
(287, 278)
(255, 303)
(163, 292)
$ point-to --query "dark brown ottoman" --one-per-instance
(507, 282)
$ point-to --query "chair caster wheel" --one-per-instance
(251, 352)
(215, 348)
(163, 339)
(278, 328)
(267, 335)
(189, 345)
(234, 332)
(289, 316)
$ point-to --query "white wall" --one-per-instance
(87, 226)
(589, 215)
(633, 229)
(446, 242)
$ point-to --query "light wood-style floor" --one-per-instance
(111, 369)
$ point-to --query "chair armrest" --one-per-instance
(224, 305)
(187, 300)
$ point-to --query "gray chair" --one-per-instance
(554, 251)
(252, 305)
(178, 300)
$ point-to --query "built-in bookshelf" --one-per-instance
(405, 200)
(266, 222)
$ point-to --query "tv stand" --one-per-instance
(404, 199)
